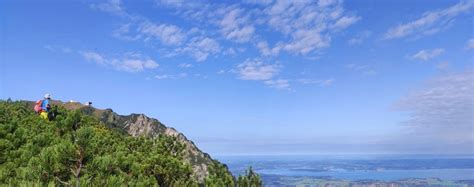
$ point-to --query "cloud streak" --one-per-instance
(200, 48)
(256, 69)
(322, 82)
(304, 26)
(235, 25)
(128, 62)
(281, 84)
(167, 76)
(425, 55)
(430, 22)
(111, 6)
(166, 33)
(308, 24)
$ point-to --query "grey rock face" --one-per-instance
(141, 125)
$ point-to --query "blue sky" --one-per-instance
(257, 76)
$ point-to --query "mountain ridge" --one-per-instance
(136, 124)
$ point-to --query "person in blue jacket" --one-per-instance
(45, 107)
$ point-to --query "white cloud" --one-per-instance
(425, 55)
(173, 38)
(263, 47)
(162, 76)
(345, 22)
(255, 69)
(167, 76)
(232, 21)
(280, 84)
(235, 25)
(431, 22)
(266, 51)
(302, 28)
(201, 47)
(133, 65)
(470, 44)
(441, 112)
(111, 6)
(323, 82)
(123, 33)
(308, 24)
(305, 26)
(168, 34)
(325, 3)
(94, 57)
(129, 62)
(139, 29)
(174, 3)
(185, 65)
(306, 41)
(258, 2)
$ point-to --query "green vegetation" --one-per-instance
(250, 179)
(218, 176)
(77, 149)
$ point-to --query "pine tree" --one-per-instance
(250, 179)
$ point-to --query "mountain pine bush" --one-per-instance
(76, 149)
(250, 179)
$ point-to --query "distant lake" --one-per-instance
(387, 175)
(358, 167)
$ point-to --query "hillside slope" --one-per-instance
(142, 125)
(84, 145)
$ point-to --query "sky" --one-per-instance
(258, 77)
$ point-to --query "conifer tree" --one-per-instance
(250, 179)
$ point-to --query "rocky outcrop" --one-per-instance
(141, 125)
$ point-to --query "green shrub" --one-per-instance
(77, 149)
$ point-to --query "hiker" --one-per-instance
(42, 107)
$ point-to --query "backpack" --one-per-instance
(37, 107)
